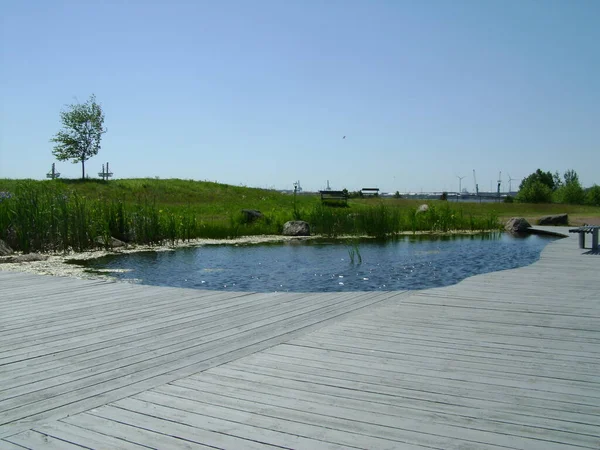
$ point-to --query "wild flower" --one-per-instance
(5, 195)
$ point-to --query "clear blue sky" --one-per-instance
(260, 93)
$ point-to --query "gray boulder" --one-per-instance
(517, 225)
(250, 215)
(5, 250)
(296, 228)
(557, 219)
(423, 208)
(29, 257)
(112, 243)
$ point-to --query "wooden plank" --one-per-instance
(172, 353)
(416, 351)
(85, 438)
(35, 440)
(213, 431)
(343, 420)
(163, 438)
(383, 414)
(145, 420)
(199, 415)
(436, 384)
(5, 445)
(462, 402)
(132, 380)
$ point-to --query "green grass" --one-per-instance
(59, 215)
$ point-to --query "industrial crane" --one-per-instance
(499, 182)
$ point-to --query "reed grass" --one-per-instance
(61, 215)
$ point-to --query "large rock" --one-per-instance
(296, 228)
(250, 215)
(112, 243)
(5, 250)
(29, 257)
(422, 209)
(517, 225)
(557, 219)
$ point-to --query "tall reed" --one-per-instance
(50, 217)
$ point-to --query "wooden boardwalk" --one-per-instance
(508, 359)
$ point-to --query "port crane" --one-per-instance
(499, 182)
(475, 181)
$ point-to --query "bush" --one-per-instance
(592, 196)
(571, 193)
(535, 192)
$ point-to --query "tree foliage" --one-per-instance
(82, 130)
(537, 187)
(534, 191)
(546, 178)
(592, 196)
(570, 191)
(545, 187)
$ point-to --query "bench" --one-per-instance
(370, 191)
(337, 196)
(593, 230)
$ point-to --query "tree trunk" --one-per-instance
(82, 169)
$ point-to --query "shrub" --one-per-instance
(535, 192)
(592, 196)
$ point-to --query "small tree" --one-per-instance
(545, 178)
(535, 191)
(79, 139)
(570, 191)
(592, 195)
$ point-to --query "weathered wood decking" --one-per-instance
(509, 359)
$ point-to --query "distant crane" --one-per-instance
(476, 185)
(53, 173)
(499, 182)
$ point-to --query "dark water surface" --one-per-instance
(324, 266)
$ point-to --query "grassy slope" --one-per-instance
(220, 201)
(211, 200)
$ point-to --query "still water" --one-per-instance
(325, 265)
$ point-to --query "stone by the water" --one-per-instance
(296, 228)
(517, 225)
(556, 219)
(28, 257)
(5, 250)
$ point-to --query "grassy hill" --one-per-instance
(214, 201)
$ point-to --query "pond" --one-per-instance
(327, 266)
